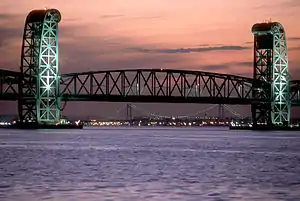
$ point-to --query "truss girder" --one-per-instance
(295, 92)
(9, 85)
(9, 88)
(160, 85)
(39, 86)
(271, 69)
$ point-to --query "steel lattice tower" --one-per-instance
(271, 75)
(39, 86)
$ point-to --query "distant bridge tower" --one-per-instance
(221, 112)
(128, 112)
(271, 75)
(39, 86)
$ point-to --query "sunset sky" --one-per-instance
(212, 35)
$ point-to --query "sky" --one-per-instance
(212, 35)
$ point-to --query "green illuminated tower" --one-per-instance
(271, 75)
(39, 88)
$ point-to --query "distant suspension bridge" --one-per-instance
(129, 108)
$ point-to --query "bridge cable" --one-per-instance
(229, 109)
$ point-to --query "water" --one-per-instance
(149, 164)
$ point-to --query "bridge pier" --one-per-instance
(271, 82)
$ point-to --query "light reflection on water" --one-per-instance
(149, 164)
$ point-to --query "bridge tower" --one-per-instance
(271, 75)
(129, 112)
(39, 87)
(221, 112)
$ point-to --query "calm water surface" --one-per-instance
(212, 164)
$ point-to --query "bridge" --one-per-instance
(40, 89)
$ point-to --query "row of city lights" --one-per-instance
(155, 123)
(4, 123)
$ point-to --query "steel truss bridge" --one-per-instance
(149, 85)
(40, 90)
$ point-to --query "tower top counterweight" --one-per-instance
(39, 15)
(269, 27)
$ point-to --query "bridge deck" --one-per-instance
(159, 99)
(4, 72)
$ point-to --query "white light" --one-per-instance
(48, 87)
